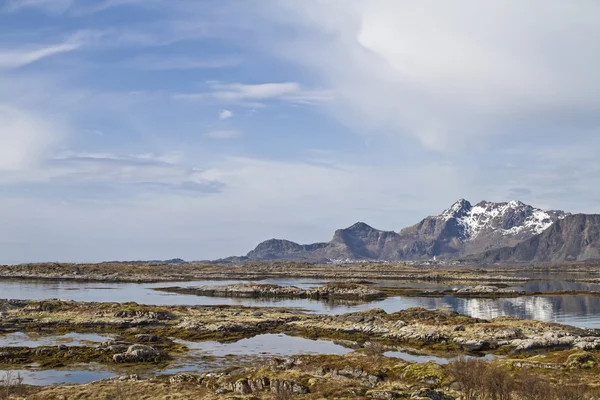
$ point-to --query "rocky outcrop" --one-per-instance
(336, 290)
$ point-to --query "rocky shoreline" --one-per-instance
(146, 335)
(333, 290)
(156, 272)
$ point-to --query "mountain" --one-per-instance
(461, 230)
(574, 238)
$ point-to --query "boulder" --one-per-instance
(284, 387)
(138, 353)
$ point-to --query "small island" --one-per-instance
(332, 290)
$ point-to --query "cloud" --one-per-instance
(21, 57)
(26, 138)
(50, 6)
(225, 134)
(450, 78)
(291, 92)
(225, 114)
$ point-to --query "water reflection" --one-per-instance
(270, 344)
(583, 311)
(438, 360)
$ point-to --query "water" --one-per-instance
(557, 286)
(132, 292)
(54, 376)
(21, 339)
(418, 358)
(277, 345)
(582, 311)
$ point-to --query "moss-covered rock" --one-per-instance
(581, 360)
(428, 373)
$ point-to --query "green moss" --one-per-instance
(425, 373)
(582, 360)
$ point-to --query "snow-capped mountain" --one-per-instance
(509, 218)
(489, 225)
(462, 230)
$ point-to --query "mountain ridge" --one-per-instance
(485, 231)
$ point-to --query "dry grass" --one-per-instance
(478, 380)
(11, 384)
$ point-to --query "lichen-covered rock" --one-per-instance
(431, 395)
(242, 386)
(179, 378)
(429, 373)
(581, 360)
(138, 353)
(285, 387)
(384, 394)
(153, 315)
(337, 290)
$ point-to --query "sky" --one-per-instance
(154, 129)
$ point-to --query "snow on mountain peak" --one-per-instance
(509, 218)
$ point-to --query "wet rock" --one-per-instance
(138, 353)
(257, 314)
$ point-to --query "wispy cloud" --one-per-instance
(225, 114)
(51, 6)
(291, 92)
(18, 58)
(225, 134)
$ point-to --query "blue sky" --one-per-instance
(145, 129)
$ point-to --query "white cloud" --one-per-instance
(21, 57)
(239, 92)
(449, 74)
(51, 6)
(25, 138)
(225, 134)
(225, 114)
